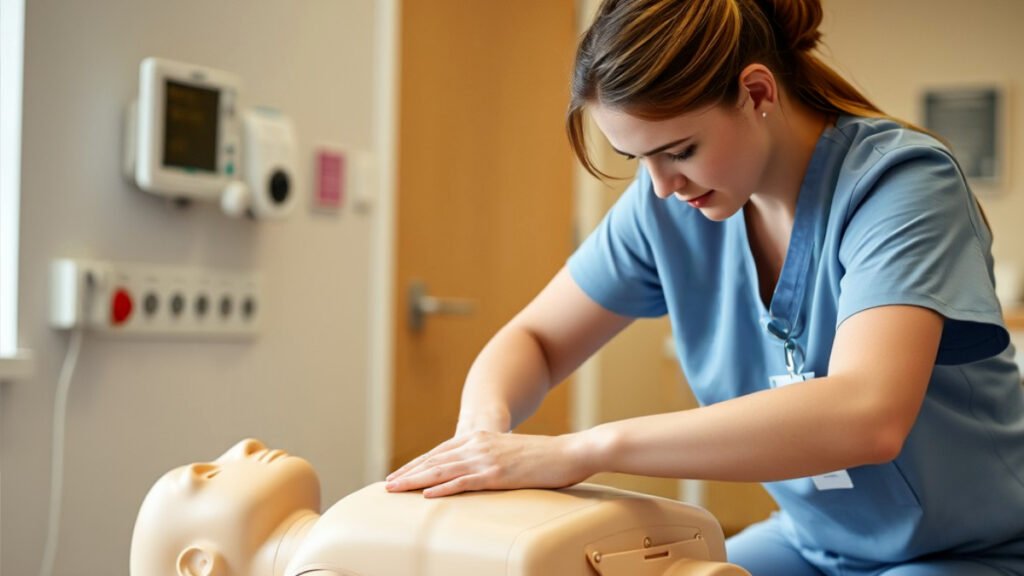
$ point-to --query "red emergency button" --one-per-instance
(120, 307)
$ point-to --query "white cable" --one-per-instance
(60, 408)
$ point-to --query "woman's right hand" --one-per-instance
(493, 420)
(538, 348)
(496, 420)
(496, 461)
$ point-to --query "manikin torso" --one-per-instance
(253, 511)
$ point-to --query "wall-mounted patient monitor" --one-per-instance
(183, 135)
(187, 137)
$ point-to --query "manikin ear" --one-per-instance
(758, 83)
(200, 561)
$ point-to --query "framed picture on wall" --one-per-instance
(972, 120)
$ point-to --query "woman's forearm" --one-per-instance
(536, 350)
(801, 430)
(506, 383)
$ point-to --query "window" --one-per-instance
(12, 28)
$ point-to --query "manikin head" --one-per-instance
(217, 518)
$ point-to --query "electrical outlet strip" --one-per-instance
(147, 300)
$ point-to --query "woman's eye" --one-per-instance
(688, 152)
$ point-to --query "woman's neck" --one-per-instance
(795, 130)
(277, 551)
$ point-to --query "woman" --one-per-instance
(828, 276)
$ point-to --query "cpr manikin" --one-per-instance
(254, 511)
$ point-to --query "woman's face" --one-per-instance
(714, 159)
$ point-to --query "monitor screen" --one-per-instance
(190, 127)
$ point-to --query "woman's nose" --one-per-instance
(665, 182)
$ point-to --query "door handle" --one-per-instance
(422, 304)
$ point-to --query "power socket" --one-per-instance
(72, 282)
(147, 300)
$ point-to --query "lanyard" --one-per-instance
(780, 330)
(794, 357)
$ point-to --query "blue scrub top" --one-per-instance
(884, 217)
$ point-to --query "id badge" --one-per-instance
(787, 379)
(838, 480)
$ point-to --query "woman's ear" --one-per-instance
(758, 82)
(200, 561)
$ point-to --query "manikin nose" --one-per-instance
(197, 474)
(244, 449)
(205, 470)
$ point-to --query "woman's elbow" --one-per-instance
(883, 443)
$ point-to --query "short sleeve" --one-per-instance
(915, 236)
(616, 264)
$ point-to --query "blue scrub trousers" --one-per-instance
(763, 550)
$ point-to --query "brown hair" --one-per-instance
(661, 58)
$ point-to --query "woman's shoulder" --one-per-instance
(883, 140)
(878, 147)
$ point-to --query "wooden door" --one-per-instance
(484, 192)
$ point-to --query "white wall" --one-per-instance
(138, 408)
(894, 50)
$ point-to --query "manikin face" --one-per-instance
(714, 159)
(211, 518)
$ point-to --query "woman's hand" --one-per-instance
(485, 460)
(495, 419)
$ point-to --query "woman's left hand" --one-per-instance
(495, 461)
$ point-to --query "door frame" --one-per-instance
(382, 277)
(584, 403)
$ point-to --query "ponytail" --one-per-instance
(657, 59)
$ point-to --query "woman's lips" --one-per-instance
(700, 200)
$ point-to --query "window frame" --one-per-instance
(15, 362)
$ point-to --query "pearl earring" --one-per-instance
(764, 114)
